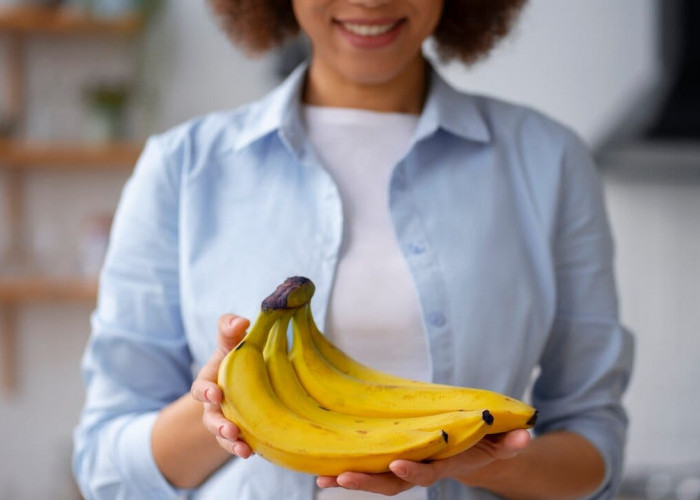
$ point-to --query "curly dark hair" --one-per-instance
(467, 30)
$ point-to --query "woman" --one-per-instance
(471, 248)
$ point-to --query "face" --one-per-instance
(367, 41)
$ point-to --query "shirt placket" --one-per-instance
(325, 254)
(423, 264)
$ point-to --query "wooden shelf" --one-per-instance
(28, 155)
(16, 290)
(16, 157)
(23, 289)
(60, 21)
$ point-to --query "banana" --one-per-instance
(368, 392)
(298, 410)
(462, 429)
(279, 435)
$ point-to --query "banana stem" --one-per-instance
(277, 341)
(258, 333)
(292, 293)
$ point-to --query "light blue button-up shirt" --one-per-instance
(500, 216)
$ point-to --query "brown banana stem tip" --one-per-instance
(533, 418)
(294, 292)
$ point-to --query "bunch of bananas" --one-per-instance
(314, 409)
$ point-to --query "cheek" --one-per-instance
(430, 12)
(313, 22)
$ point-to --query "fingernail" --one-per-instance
(206, 394)
(400, 471)
(221, 431)
(232, 321)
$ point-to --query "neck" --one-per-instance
(403, 93)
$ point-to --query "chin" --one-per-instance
(377, 73)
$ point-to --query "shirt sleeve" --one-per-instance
(137, 359)
(587, 362)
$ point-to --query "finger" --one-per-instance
(206, 391)
(511, 443)
(421, 474)
(238, 448)
(215, 422)
(385, 484)
(489, 449)
(204, 388)
(327, 482)
(226, 444)
(231, 329)
(492, 447)
(241, 449)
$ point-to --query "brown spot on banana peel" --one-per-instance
(445, 436)
(240, 344)
(488, 418)
(292, 293)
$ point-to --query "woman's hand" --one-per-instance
(405, 474)
(232, 329)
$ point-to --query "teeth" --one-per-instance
(368, 29)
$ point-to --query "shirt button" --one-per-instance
(437, 319)
(415, 249)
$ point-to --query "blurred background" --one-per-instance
(84, 82)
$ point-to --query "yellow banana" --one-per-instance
(336, 389)
(279, 435)
(462, 429)
(299, 411)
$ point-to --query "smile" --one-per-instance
(370, 34)
(369, 29)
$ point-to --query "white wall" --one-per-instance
(656, 222)
(195, 68)
(581, 62)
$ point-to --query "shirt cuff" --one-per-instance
(136, 455)
(611, 457)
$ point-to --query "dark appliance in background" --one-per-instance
(662, 129)
(679, 117)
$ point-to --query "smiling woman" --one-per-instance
(467, 30)
(451, 237)
(355, 47)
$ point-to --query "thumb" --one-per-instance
(511, 443)
(232, 329)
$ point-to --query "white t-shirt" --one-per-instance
(374, 313)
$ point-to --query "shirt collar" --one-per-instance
(455, 112)
(278, 111)
(445, 108)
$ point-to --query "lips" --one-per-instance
(370, 34)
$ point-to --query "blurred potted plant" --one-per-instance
(105, 111)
